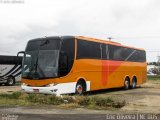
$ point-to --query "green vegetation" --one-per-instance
(92, 102)
(18, 83)
(154, 77)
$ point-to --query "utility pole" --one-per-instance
(110, 38)
(158, 62)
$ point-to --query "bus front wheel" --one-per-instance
(80, 87)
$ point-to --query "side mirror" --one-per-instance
(21, 52)
(20, 59)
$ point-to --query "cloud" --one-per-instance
(129, 22)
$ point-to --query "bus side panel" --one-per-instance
(117, 77)
(108, 74)
(114, 78)
(90, 70)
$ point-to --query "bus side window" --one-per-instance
(63, 63)
(88, 50)
(105, 52)
(66, 58)
(115, 53)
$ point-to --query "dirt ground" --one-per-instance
(9, 89)
(143, 99)
(147, 98)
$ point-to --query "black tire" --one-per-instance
(134, 83)
(126, 84)
(80, 88)
(10, 81)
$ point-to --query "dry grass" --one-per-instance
(23, 99)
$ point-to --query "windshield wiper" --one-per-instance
(45, 43)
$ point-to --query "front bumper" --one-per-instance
(43, 90)
(61, 88)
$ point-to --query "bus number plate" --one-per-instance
(35, 90)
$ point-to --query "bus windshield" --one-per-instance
(41, 59)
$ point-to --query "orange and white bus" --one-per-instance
(76, 64)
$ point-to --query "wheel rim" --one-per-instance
(10, 81)
(79, 89)
(126, 84)
(134, 84)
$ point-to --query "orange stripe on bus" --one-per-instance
(108, 67)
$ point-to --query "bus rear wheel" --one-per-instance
(80, 87)
(10, 81)
(126, 83)
(134, 83)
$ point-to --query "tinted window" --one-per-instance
(33, 45)
(115, 53)
(93, 50)
(126, 54)
(105, 52)
(66, 56)
(47, 64)
(137, 56)
(52, 43)
(142, 56)
(88, 49)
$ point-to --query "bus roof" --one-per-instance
(91, 39)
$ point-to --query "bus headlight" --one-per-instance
(24, 84)
(51, 85)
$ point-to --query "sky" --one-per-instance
(130, 22)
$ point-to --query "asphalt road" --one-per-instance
(54, 117)
(81, 117)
